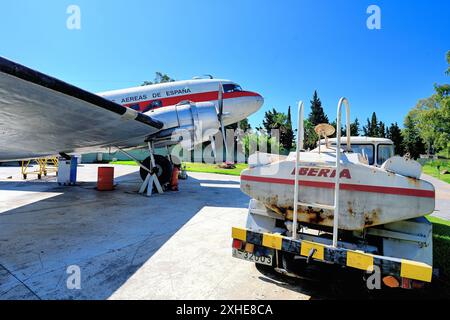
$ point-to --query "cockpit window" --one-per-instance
(231, 87)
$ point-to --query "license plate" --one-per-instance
(267, 259)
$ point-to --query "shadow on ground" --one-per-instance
(109, 235)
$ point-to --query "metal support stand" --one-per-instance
(152, 178)
(44, 168)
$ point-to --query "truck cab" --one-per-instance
(376, 150)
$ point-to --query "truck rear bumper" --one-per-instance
(389, 266)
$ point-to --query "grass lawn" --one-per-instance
(433, 171)
(127, 163)
(213, 168)
(200, 167)
(441, 249)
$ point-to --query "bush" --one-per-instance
(253, 142)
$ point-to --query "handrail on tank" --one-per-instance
(299, 147)
(344, 101)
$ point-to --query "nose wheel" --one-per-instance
(162, 169)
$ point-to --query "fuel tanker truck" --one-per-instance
(350, 202)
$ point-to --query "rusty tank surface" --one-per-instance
(369, 195)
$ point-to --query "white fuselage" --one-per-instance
(238, 103)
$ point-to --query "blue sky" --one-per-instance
(281, 49)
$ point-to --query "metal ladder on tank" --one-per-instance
(337, 167)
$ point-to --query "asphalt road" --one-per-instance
(442, 208)
(127, 246)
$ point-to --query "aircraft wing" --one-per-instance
(41, 115)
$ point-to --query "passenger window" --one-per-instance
(135, 107)
(385, 151)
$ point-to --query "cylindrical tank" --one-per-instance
(105, 179)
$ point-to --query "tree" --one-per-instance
(412, 142)
(381, 130)
(253, 142)
(448, 62)
(287, 135)
(273, 120)
(354, 128)
(282, 126)
(159, 78)
(372, 127)
(432, 117)
(244, 125)
(429, 121)
(310, 137)
(289, 117)
(317, 114)
(395, 134)
(343, 129)
(316, 117)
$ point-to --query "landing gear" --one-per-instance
(152, 170)
(163, 169)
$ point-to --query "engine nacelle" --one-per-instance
(188, 124)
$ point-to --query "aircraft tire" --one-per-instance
(163, 169)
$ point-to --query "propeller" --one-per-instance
(213, 146)
(220, 117)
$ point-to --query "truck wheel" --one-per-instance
(348, 284)
(163, 169)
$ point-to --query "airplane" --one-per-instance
(42, 116)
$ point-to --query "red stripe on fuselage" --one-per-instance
(194, 97)
(346, 186)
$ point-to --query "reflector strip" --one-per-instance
(360, 260)
(416, 270)
(389, 266)
(307, 246)
(273, 241)
(239, 233)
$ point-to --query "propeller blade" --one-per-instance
(220, 102)
(220, 117)
(213, 146)
(222, 128)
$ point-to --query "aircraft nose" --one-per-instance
(259, 101)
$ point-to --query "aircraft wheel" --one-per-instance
(163, 169)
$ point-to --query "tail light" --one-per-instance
(237, 244)
(249, 247)
(391, 282)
